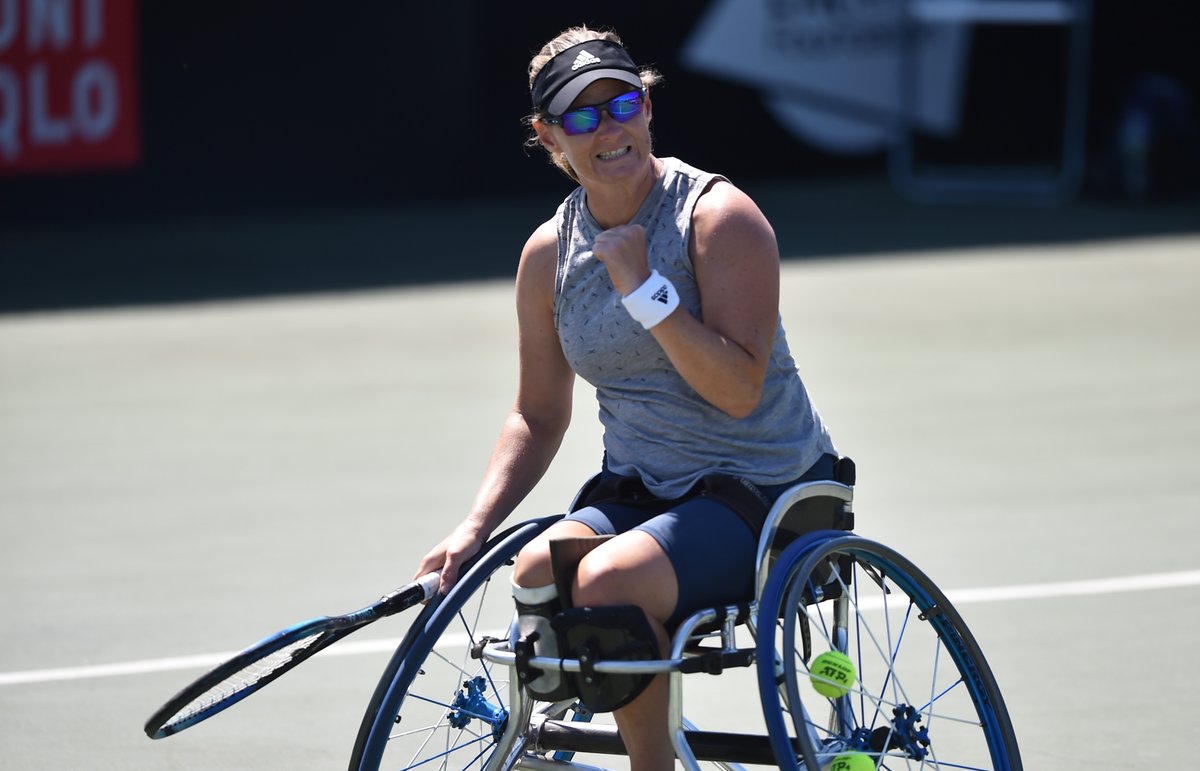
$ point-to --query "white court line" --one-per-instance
(361, 647)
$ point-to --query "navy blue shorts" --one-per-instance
(710, 546)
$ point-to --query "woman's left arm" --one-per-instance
(736, 261)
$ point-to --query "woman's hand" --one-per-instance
(462, 544)
(623, 251)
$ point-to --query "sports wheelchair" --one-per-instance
(918, 693)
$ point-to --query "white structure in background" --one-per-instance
(860, 76)
(829, 70)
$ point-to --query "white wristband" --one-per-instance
(653, 301)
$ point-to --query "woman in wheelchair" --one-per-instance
(657, 283)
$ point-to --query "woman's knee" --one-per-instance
(599, 581)
(534, 567)
(633, 571)
(533, 564)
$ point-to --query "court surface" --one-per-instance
(181, 481)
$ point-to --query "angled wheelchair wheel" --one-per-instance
(437, 706)
(908, 686)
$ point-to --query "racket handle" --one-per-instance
(429, 584)
(408, 595)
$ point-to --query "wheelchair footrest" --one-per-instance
(716, 662)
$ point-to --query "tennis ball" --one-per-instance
(832, 674)
(852, 761)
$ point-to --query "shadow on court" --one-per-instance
(202, 258)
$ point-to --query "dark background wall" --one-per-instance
(280, 108)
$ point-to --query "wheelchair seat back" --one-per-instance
(805, 508)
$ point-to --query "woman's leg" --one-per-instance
(536, 595)
(710, 543)
(632, 569)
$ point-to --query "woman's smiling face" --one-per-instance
(615, 151)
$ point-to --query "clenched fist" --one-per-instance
(623, 251)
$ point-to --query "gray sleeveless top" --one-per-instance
(655, 425)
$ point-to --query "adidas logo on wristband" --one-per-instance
(653, 301)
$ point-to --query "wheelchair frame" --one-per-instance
(807, 580)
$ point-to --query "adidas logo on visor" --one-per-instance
(583, 60)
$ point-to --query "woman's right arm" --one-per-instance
(534, 429)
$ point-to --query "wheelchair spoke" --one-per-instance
(449, 751)
(472, 635)
(458, 667)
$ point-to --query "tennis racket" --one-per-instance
(266, 660)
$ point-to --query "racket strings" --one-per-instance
(241, 680)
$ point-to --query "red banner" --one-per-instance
(68, 85)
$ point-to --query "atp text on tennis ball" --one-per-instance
(852, 761)
(832, 674)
